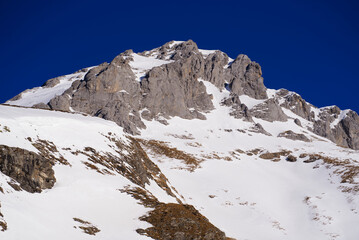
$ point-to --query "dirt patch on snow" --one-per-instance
(49, 151)
(86, 226)
(179, 221)
(346, 169)
(161, 148)
(275, 156)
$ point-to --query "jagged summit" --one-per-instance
(168, 81)
(175, 143)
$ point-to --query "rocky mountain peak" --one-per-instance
(168, 81)
(175, 143)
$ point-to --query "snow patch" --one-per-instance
(38, 95)
(141, 65)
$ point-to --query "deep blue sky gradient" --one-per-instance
(311, 47)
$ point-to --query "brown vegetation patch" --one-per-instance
(316, 215)
(346, 169)
(240, 130)
(14, 185)
(161, 148)
(145, 197)
(194, 144)
(291, 158)
(4, 129)
(3, 224)
(87, 227)
(93, 167)
(49, 151)
(212, 155)
(178, 221)
(188, 137)
(254, 151)
(275, 155)
(130, 160)
(234, 154)
(239, 151)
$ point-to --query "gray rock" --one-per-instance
(297, 121)
(269, 111)
(296, 104)
(291, 158)
(345, 133)
(258, 128)
(33, 172)
(173, 89)
(214, 68)
(51, 82)
(350, 126)
(110, 91)
(294, 136)
(239, 110)
(245, 77)
(41, 106)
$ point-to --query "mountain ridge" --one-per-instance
(176, 143)
(170, 64)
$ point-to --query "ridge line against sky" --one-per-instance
(310, 47)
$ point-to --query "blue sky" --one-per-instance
(311, 47)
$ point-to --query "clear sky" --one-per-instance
(311, 47)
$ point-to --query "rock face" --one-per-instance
(114, 91)
(180, 222)
(111, 91)
(296, 104)
(245, 77)
(32, 171)
(269, 111)
(239, 110)
(348, 130)
(294, 136)
(339, 126)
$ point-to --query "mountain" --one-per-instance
(175, 143)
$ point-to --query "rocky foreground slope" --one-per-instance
(175, 143)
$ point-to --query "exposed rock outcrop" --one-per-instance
(32, 171)
(350, 127)
(180, 222)
(173, 89)
(258, 128)
(111, 91)
(269, 111)
(239, 110)
(114, 91)
(245, 77)
(294, 136)
(339, 126)
(296, 104)
(3, 224)
(214, 71)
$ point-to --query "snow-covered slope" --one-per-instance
(78, 192)
(246, 196)
(253, 174)
(44, 94)
(249, 197)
